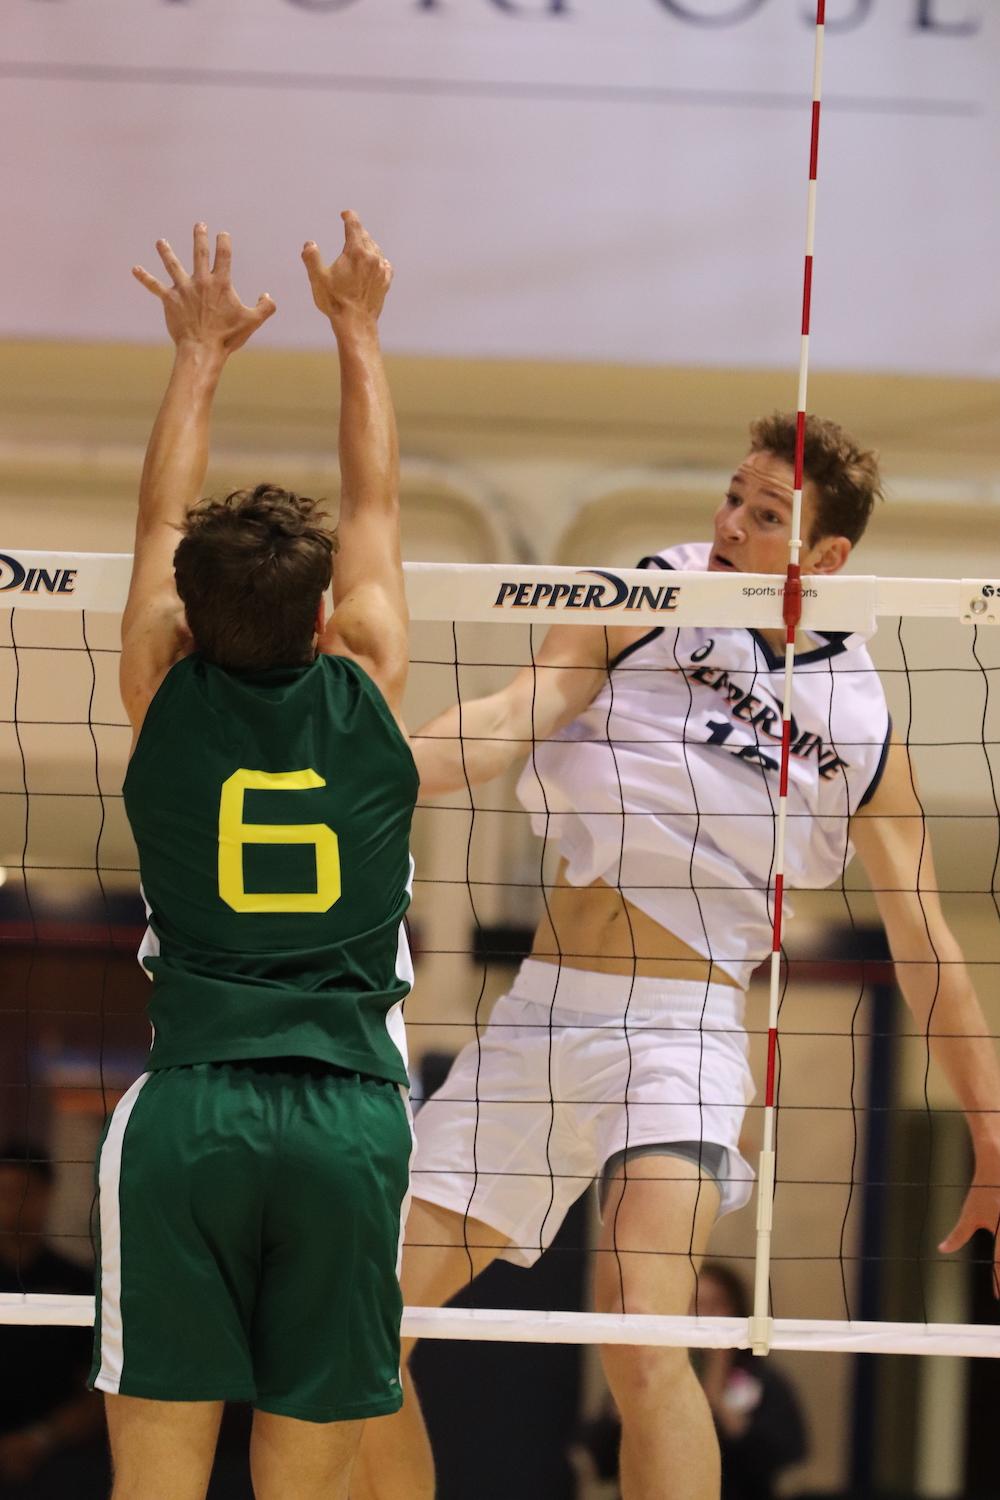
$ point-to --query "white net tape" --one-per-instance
(543, 596)
(502, 1325)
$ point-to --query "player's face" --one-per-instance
(753, 523)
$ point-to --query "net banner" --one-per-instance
(661, 136)
(586, 596)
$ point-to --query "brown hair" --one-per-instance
(251, 570)
(846, 476)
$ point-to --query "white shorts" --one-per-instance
(556, 1085)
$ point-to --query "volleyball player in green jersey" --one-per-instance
(252, 1182)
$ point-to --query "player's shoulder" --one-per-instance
(683, 557)
(846, 652)
(362, 681)
(355, 674)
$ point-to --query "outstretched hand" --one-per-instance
(981, 1210)
(203, 308)
(357, 281)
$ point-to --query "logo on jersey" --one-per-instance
(763, 714)
(15, 577)
(611, 593)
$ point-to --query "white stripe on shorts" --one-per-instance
(108, 1188)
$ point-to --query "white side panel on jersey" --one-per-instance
(394, 1024)
(150, 945)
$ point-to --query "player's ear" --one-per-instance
(829, 554)
(321, 617)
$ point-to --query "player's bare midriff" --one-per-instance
(593, 927)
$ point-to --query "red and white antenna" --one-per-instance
(761, 1322)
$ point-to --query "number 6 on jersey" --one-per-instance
(234, 833)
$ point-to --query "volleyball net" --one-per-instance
(872, 1151)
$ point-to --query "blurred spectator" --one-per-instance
(50, 1424)
(757, 1414)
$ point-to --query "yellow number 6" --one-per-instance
(234, 833)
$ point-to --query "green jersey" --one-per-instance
(272, 812)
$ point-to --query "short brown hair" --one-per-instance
(846, 476)
(251, 570)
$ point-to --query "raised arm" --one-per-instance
(473, 742)
(370, 620)
(207, 322)
(891, 839)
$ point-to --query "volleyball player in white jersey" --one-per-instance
(619, 1053)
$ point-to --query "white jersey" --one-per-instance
(667, 785)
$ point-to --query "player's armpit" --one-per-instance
(897, 794)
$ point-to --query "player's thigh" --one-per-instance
(657, 1218)
(656, 1221)
(443, 1251)
(325, 1336)
(304, 1460)
(179, 1237)
(161, 1450)
(495, 1146)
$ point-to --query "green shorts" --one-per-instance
(250, 1231)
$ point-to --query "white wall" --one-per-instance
(553, 178)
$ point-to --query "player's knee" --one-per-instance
(640, 1374)
(146, 1486)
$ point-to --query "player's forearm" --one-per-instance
(369, 446)
(177, 454)
(466, 746)
(946, 1009)
(473, 742)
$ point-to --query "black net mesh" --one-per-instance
(873, 1155)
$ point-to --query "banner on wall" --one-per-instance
(615, 180)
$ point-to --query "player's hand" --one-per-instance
(356, 282)
(981, 1210)
(203, 308)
